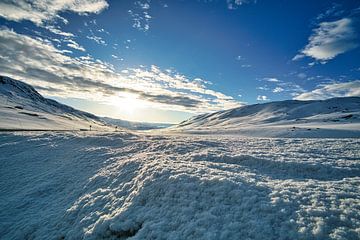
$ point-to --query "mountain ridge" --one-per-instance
(24, 108)
(337, 115)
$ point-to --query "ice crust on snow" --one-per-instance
(125, 186)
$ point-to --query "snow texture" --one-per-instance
(90, 185)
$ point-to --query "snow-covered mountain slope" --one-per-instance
(22, 107)
(337, 117)
(123, 186)
(135, 125)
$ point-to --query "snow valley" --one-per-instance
(205, 178)
(23, 108)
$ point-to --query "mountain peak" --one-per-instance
(14, 88)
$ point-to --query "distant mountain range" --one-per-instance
(135, 125)
(23, 108)
(336, 117)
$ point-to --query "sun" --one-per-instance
(127, 103)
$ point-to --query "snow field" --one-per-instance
(125, 186)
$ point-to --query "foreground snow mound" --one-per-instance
(22, 107)
(337, 117)
(123, 186)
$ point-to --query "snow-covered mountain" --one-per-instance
(22, 107)
(336, 117)
(135, 125)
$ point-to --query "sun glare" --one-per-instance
(127, 103)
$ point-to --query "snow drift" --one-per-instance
(124, 186)
(337, 117)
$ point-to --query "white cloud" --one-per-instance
(245, 65)
(234, 4)
(281, 86)
(292, 88)
(325, 91)
(278, 89)
(140, 15)
(39, 63)
(144, 5)
(271, 80)
(329, 40)
(301, 75)
(97, 39)
(57, 31)
(334, 10)
(262, 98)
(41, 11)
(74, 45)
(263, 88)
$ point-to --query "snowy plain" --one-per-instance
(87, 185)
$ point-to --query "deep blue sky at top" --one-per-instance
(204, 39)
(235, 49)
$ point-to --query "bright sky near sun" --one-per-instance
(164, 61)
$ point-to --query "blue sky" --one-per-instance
(164, 61)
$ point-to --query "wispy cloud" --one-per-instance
(263, 88)
(234, 4)
(301, 75)
(116, 57)
(292, 88)
(97, 39)
(330, 39)
(325, 91)
(46, 14)
(38, 62)
(333, 11)
(245, 65)
(74, 45)
(41, 11)
(140, 15)
(272, 79)
(262, 98)
(279, 86)
(58, 31)
(95, 30)
(278, 90)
